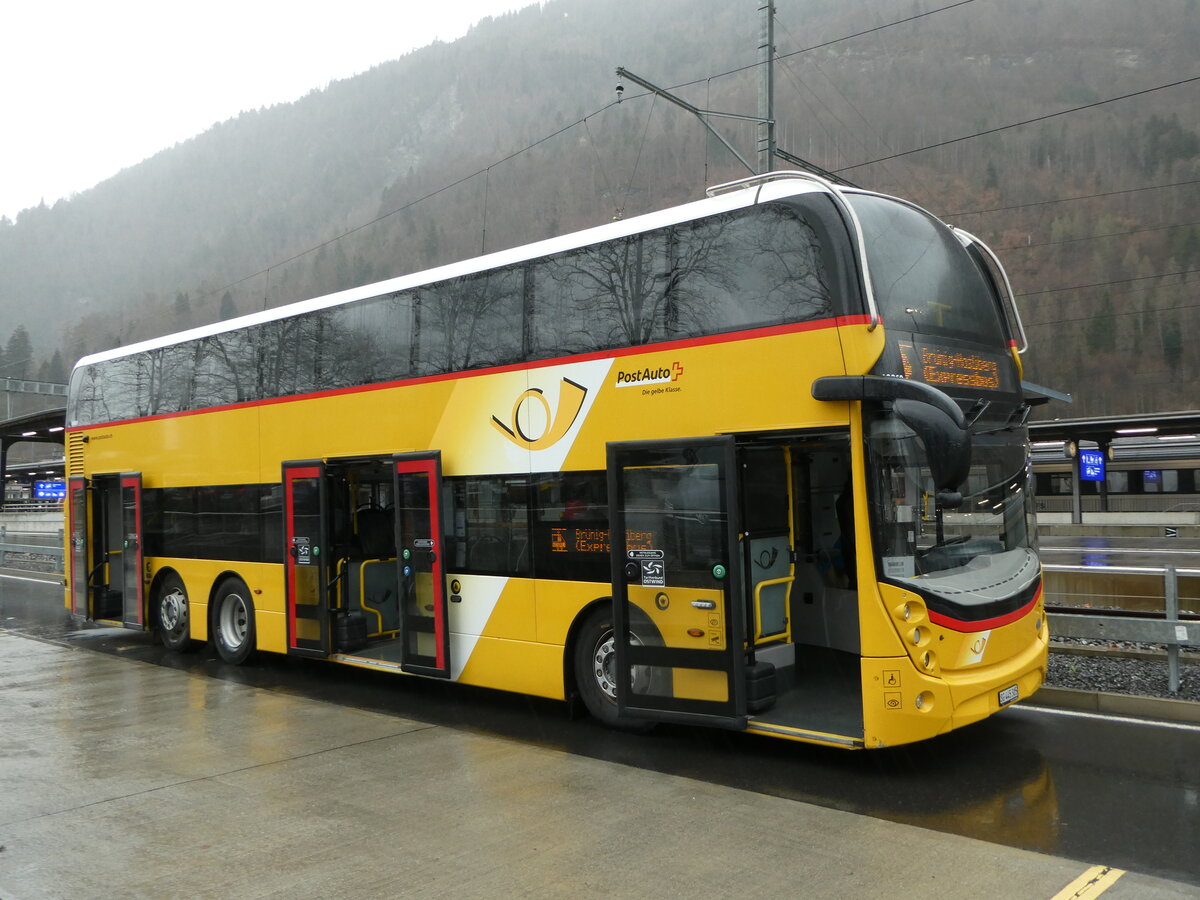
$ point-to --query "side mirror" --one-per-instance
(947, 443)
(935, 418)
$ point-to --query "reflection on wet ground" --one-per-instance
(1114, 792)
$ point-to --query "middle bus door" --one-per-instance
(132, 593)
(305, 560)
(678, 608)
(421, 581)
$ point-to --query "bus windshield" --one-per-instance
(973, 552)
(922, 280)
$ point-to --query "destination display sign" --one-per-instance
(948, 367)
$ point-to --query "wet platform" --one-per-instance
(120, 778)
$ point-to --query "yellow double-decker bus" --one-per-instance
(759, 461)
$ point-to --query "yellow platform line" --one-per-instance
(1092, 883)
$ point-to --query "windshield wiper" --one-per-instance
(1019, 417)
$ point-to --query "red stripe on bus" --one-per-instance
(985, 624)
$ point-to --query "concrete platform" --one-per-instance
(119, 778)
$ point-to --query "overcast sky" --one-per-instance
(90, 88)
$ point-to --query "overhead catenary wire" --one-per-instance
(1034, 120)
(1115, 281)
(637, 162)
(1096, 237)
(1091, 317)
(1032, 203)
(583, 121)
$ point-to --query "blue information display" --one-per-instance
(1091, 465)
(49, 490)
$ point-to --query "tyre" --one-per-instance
(595, 671)
(174, 614)
(233, 622)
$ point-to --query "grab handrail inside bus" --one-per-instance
(840, 202)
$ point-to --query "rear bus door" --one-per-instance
(106, 549)
(421, 581)
(305, 566)
(80, 563)
(678, 609)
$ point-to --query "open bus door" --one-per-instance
(106, 549)
(305, 562)
(678, 608)
(133, 599)
(80, 563)
(421, 581)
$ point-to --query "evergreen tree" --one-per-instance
(1101, 328)
(1172, 343)
(18, 354)
(53, 369)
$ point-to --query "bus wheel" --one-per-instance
(174, 625)
(595, 671)
(233, 622)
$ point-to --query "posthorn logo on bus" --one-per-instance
(643, 377)
(524, 428)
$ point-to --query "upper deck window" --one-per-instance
(925, 282)
(767, 265)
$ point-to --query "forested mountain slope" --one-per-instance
(511, 134)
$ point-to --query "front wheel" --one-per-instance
(596, 672)
(233, 622)
(174, 623)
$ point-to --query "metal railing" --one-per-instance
(1118, 503)
(1170, 631)
(50, 546)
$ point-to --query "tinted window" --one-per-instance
(924, 280)
(233, 522)
(489, 525)
(471, 322)
(604, 296)
(747, 271)
(768, 265)
(570, 528)
(368, 342)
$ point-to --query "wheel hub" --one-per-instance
(233, 621)
(604, 665)
(173, 612)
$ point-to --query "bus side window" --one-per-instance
(490, 532)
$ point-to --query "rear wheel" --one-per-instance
(174, 624)
(233, 622)
(596, 671)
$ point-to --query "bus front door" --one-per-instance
(305, 566)
(420, 576)
(678, 607)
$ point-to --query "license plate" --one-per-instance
(1008, 695)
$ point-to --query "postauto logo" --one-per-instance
(555, 424)
(648, 375)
